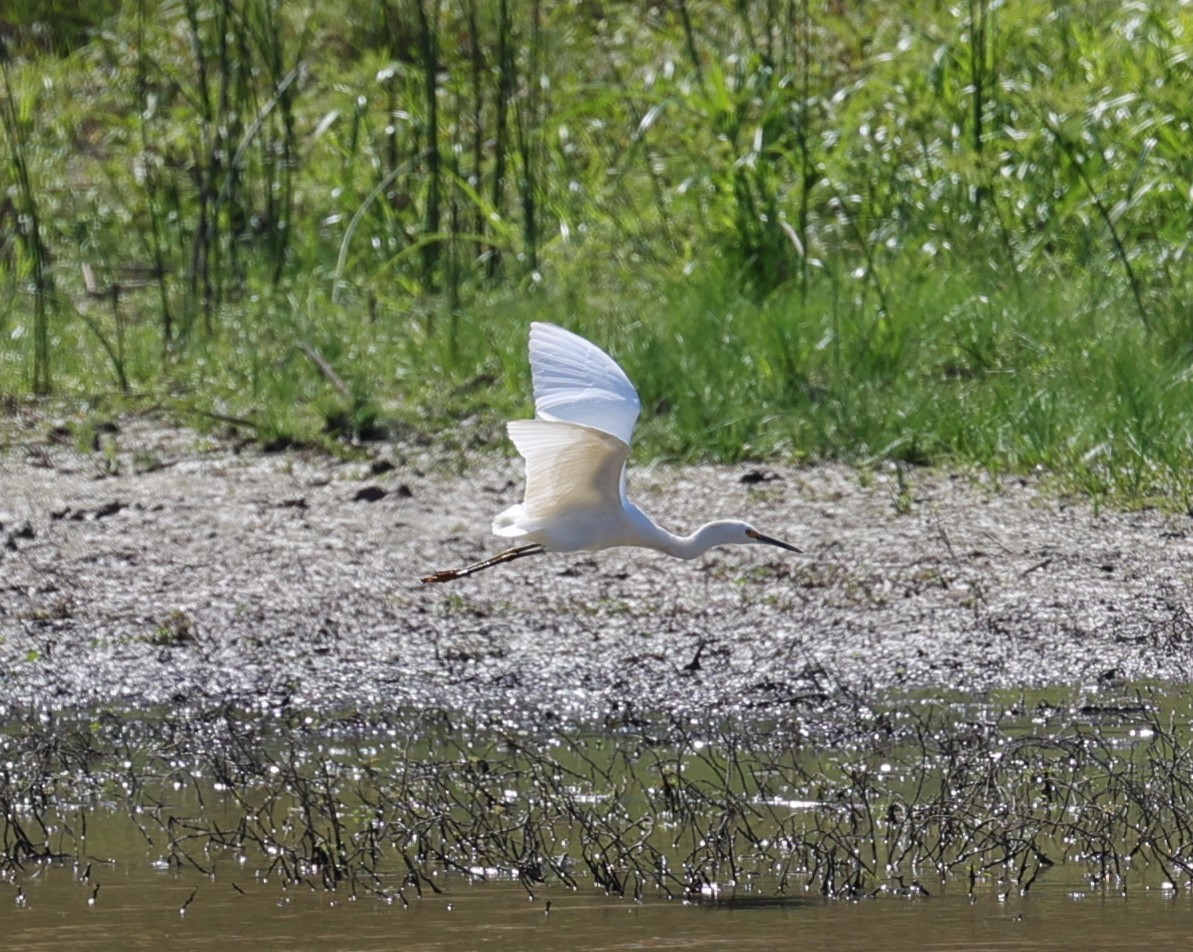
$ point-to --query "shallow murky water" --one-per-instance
(138, 907)
(1018, 822)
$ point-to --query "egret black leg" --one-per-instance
(446, 575)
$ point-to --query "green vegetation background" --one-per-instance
(948, 234)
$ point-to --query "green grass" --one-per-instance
(948, 236)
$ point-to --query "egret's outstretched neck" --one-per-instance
(642, 530)
(708, 535)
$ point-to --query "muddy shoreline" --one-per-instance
(167, 568)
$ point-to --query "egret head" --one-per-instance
(729, 532)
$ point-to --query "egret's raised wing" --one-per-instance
(576, 381)
(568, 468)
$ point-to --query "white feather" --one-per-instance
(574, 476)
(577, 382)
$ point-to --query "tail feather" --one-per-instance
(512, 523)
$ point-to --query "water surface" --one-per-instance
(138, 907)
(998, 822)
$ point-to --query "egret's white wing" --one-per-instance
(576, 381)
(569, 469)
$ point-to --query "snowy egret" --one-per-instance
(575, 450)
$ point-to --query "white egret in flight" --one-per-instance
(575, 450)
